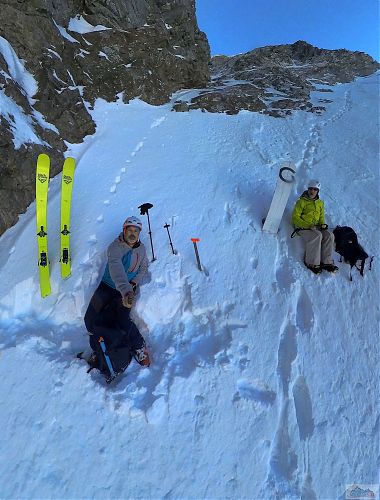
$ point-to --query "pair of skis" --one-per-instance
(42, 184)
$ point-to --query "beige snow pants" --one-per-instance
(319, 246)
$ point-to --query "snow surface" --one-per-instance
(264, 380)
(17, 70)
(79, 25)
(21, 125)
(64, 34)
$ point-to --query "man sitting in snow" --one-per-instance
(107, 316)
(309, 220)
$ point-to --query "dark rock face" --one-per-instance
(278, 79)
(151, 49)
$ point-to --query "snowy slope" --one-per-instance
(264, 377)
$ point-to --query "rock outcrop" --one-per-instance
(77, 51)
(58, 56)
(277, 79)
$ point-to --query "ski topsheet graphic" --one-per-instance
(66, 192)
(286, 178)
(42, 185)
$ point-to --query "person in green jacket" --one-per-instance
(308, 219)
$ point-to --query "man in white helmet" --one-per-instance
(107, 316)
(309, 221)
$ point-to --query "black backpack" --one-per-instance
(347, 245)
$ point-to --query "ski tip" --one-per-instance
(43, 156)
(69, 161)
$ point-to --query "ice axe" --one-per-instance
(144, 210)
(195, 241)
(170, 240)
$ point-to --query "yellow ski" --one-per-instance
(42, 185)
(66, 192)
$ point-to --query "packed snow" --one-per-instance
(16, 69)
(263, 381)
(63, 32)
(21, 125)
(79, 25)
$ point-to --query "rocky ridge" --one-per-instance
(276, 80)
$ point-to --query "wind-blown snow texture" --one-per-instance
(264, 377)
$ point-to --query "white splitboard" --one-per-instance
(285, 181)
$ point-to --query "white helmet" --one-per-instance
(313, 183)
(133, 221)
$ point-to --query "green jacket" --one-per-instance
(308, 212)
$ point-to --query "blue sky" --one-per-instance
(235, 26)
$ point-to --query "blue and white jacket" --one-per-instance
(125, 264)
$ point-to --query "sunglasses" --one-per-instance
(313, 189)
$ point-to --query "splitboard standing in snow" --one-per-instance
(285, 181)
(309, 221)
(114, 338)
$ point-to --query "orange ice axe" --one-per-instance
(195, 241)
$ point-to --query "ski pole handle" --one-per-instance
(144, 210)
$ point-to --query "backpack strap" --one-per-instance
(362, 267)
(296, 232)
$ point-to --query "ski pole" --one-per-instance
(144, 210)
(170, 240)
(195, 240)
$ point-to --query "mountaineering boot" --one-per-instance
(141, 356)
(93, 362)
(91, 359)
(314, 269)
(331, 268)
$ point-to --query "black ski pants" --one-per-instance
(107, 317)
